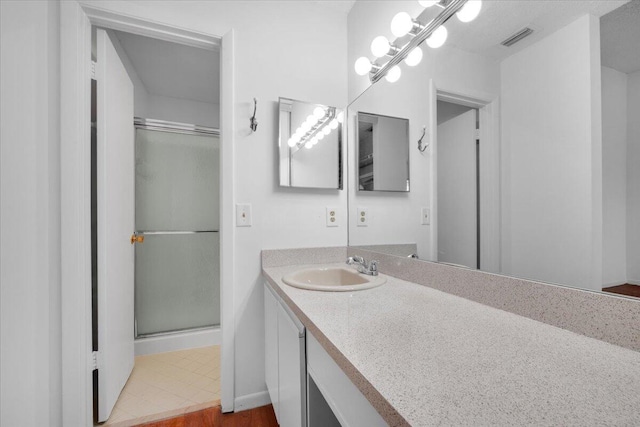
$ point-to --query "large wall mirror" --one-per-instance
(532, 149)
(309, 145)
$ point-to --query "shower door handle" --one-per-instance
(136, 238)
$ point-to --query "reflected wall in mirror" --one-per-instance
(383, 153)
(309, 145)
(531, 169)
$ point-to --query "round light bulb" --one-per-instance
(305, 127)
(438, 37)
(311, 119)
(333, 124)
(363, 65)
(393, 74)
(308, 145)
(427, 3)
(380, 46)
(319, 136)
(326, 130)
(314, 141)
(340, 117)
(414, 57)
(401, 24)
(291, 143)
(469, 11)
(318, 112)
(296, 138)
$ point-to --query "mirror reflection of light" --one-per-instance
(380, 46)
(320, 136)
(326, 130)
(333, 124)
(308, 145)
(414, 57)
(318, 113)
(393, 74)
(363, 66)
(340, 117)
(401, 24)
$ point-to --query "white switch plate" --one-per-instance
(363, 217)
(243, 215)
(332, 217)
(426, 216)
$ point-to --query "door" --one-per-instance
(115, 202)
(457, 191)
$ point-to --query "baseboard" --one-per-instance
(251, 401)
(634, 282)
(177, 341)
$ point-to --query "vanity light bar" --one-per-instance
(315, 129)
(449, 10)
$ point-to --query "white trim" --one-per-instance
(178, 341)
(617, 283)
(251, 401)
(75, 47)
(227, 235)
(490, 171)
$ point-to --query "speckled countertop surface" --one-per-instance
(424, 357)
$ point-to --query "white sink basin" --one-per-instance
(332, 279)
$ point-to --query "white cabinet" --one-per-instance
(285, 361)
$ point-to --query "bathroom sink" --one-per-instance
(332, 279)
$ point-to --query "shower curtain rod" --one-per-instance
(175, 127)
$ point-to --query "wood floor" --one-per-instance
(628, 290)
(213, 417)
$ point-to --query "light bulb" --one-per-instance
(427, 3)
(291, 142)
(319, 136)
(380, 46)
(333, 124)
(308, 145)
(314, 141)
(401, 24)
(363, 65)
(469, 11)
(318, 112)
(340, 117)
(326, 130)
(393, 74)
(414, 57)
(438, 37)
(305, 127)
(311, 119)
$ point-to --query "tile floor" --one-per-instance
(169, 384)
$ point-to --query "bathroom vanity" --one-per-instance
(407, 354)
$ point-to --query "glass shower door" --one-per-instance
(177, 277)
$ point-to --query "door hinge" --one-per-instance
(95, 361)
(93, 70)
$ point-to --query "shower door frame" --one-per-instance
(76, 21)
(184, 129)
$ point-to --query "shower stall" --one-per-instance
(177, 266)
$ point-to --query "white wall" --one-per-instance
(551, 156)
(276, 55)
(614, 177)
(151, 106)
(30, 336)
(396, 217)
(633, 178)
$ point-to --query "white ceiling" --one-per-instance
(175, 70)
(620, 35)
(499, 19)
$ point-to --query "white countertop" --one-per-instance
(425, 357)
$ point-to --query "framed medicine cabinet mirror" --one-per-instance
(310, 145)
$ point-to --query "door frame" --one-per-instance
(75, 93)
(490, 207)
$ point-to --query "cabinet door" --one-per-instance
(292, 371)
(271, 348)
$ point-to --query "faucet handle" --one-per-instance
(355, 260)
(373, 267)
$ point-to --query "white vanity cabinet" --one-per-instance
(285, 361)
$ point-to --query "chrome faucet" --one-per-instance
(371, 268)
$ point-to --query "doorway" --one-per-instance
(174, 171)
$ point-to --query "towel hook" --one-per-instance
(420, 147)
(254, 121)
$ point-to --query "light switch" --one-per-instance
(363, 217)
(332, 217)
(426, 216)
(243, 215)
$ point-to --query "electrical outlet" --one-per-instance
(243, 215)
(363, 217)
(426, 216)
(332, 217)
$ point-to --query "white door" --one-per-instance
(116, 223)
(457, 191)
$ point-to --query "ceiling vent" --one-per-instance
(517, 37)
